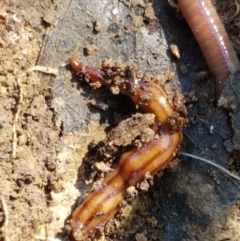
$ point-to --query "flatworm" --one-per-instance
(103, 203)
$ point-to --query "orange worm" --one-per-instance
(212, 38)
(103, 203)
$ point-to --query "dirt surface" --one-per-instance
(47, 122)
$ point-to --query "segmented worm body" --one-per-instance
(212, 38)
(103, 203)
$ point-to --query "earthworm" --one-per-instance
(103, 203)
(212, 38)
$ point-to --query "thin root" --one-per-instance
(18, 110)
(46, 238)
(211, 163)
(43, 69)
(6, 219)
(237, 5)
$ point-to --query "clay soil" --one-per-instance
(50, 121)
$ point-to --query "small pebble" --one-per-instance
(175, 50)
(90, 49)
